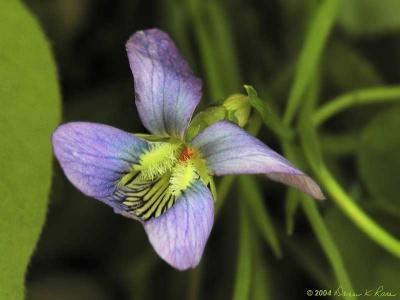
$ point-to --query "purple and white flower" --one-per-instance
(164, 179)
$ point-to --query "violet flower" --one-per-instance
(163, 180)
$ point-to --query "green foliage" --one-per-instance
(370, 17)
(30, 102)
(379, 157)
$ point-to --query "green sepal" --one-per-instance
(236, 108)
(213, 188)
(156, 138)
(204, 119)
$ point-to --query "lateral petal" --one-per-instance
(94, 157)
(228, 149)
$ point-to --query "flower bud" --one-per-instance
(238, 109)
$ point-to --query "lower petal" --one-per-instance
(180, 235)
(228, 149)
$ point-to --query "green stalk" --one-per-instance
(322, 233)
(291, 204)
(224, 46)
(319, 228)
(312, 150)
(309, 206)
(317, 35)
(359, 218)
(204, 40)
(243, 272)
(327, 243)
(259, 213)
(194, 284)
(269, 117)
(355, 98)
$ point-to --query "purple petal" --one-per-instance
(95, 156)
(167, 92)
(228, 149)
(180, 235)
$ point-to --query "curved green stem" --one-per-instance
(313, 154)
(362, 220)
(360, 97)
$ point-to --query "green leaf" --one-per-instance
(379, 157)
(30, 110)
(370, 17)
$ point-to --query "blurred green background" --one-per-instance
(273, 245)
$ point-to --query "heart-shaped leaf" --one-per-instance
(30, 110)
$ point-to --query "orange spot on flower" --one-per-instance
(186, 154)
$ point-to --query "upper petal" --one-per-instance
(228, 149)
(166, 90)
(180, 235)
(94, 157)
